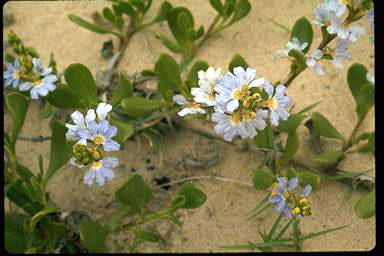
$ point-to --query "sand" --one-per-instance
(222, 219)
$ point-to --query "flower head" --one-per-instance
(101, 133)
(233, 88)
(79, 131)
(277, 102)
(312, 62)
(205, 93)
(101, 171)
(190, 108)
(341, 53)
(12, 75)
(43, 82)
(285, 201)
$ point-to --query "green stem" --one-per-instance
(349, 143)
(274, 227)
(210, 32)
(152, 217)
(284, 229)
(296, 235)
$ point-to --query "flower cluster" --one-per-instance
(26, 72)
(330, 15)
(285, 201)
(241, 102)
(93, 135)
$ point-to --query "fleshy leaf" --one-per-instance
(140, 107)
(324, 127)
(302, 30)
(261, 179)
(168, 75)
(18, 106)
(236, 61)
(93, 236)
(194, 197)
(366, 206)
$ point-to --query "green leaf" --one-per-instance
(261, 179)
(197, 66)
(180, 34)
(38, 216)
(135, 193)
(93, 236)
(46, 111)
(127, 9)
(167, 72)
(53, 233)
(148, 72)
(174, 47)
(302, 30)
(140, 107)
(361, 89)
(18, 106)
(237, 61)
(291, 173)
(265, 138)
(198, 33)
(108, 14)
(15, 240)
(329, 158)
(80, 79)
(217, 5)
(85, 24)
(194, 197)
(139, 5)
(308, 177)
(61, 152)
(122, 210)
(195, 116)
(292, 123)
(31, 52)
(300, 60)
(291, 147)
(184, 21)
(366, 206)
(162, 13)
(303, 238)
(65, 97)
(124, 130)
(229, 7)
(242, 8)
(146, 236)
(23, 171)
(124, 89)
(324, 127)
(116, 10)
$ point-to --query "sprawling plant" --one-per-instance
(89, 121)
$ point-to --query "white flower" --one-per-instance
(312, 62)
(205, 93)
(79, 131)
(293, 44)
(190, 107)
(352, 32)
(371, 78)
(102, 110)
(239, 123)
(335, 6)
(37, 67)
(234, 87)
(101, 171)
(277, 103)
(341, 53)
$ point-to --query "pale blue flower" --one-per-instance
(277, 102)
(101, 133)
(335, 6)
(307, 191)
(79, 131)
(278, 198)
(101, 171)
(12, 75)
(312, 62)
(352, 32)
(293, 44)
(371, 17)
(42, 86)
(190, 108)
(341, 53)
(371, 78)
(234, 87)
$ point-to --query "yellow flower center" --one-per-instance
(37, 83)
(195, 105)
(240, 94)
(249, 115)
(271, 103)
(235, 118)
(16, 75)
(96, 165)
(99, 139)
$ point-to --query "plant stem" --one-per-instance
(349, 143)
(38, 138)
(210, 32)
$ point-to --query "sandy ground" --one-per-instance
(221, 221)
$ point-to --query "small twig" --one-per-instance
(205, 177)
(39, 138)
